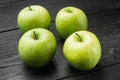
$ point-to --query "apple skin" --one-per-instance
(69, 20)
(37, 52)
(82, 53)
(36, 17)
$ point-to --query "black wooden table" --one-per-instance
(104, 21)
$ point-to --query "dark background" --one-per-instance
(104, 21)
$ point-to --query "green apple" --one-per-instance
(69, 20)
(34, 16)
(82, 50)
(37, 47)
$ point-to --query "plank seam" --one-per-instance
(11, 2)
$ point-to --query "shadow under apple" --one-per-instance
(44, 71)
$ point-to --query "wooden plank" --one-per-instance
(117, 3)
(104, 24)
(12, 68)
(8, 1)
(109, 73)
(9, 11)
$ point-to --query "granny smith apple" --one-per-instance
(37, 47)
(34, 16)
(69, 20)
(82, 50)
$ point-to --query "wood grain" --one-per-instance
(10, 9)
(103, 21)
(12, 68)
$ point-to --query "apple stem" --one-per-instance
(36, 37)
(79, 36)
(30, 8)
(28, 5)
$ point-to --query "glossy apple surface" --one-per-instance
(34, 16)
(69, 20)
(37, 47)
(82, 50)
